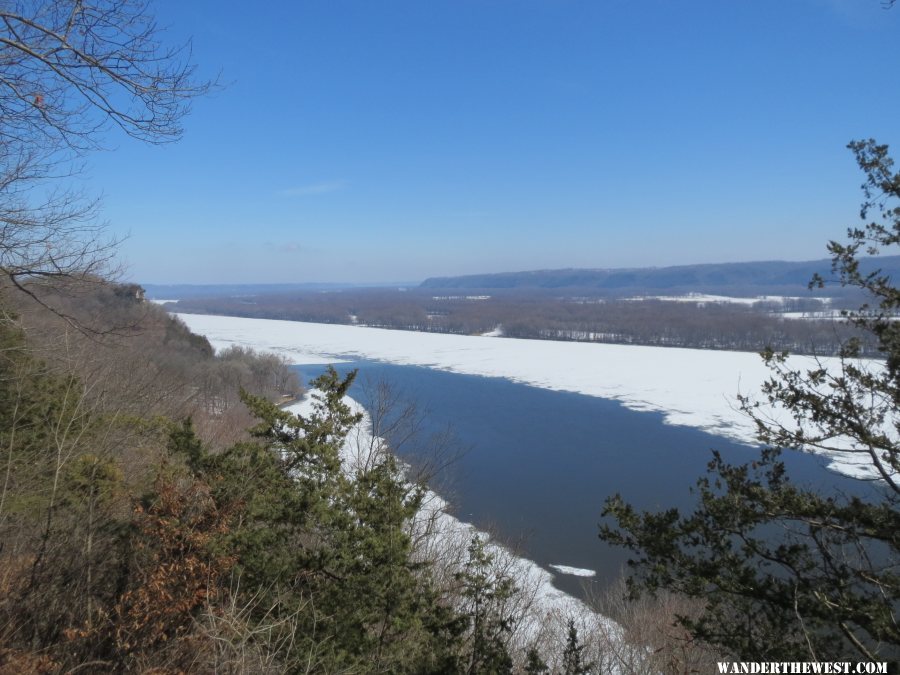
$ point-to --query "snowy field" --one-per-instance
(690, 387)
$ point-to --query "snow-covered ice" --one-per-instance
(574, 571)
(690, 387)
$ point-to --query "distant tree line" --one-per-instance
(543, 315)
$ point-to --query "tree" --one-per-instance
(486, 590)
(68, 70)
(60, 491)
(534, 664)
(573, 660)
(326, 542)
(787, 573)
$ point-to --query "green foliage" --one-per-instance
(573, 661)
(486, 590)
(328, 547)
(787, 573)
(183, 441)
(60, 495)
(40, 415)
(534, 664)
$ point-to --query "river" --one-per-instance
(538, 464)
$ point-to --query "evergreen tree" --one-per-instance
(56, 497)
(787, 573)
(486, 591)
(573, 654)
(534, 664)
(330, 548)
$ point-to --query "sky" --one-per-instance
(394, 140)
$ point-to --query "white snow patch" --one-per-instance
(574, 571)
(828, 314)
(690, 387)
(161, 301)
(497, 332)
(728, 299)
(823, 314)
(461, 297)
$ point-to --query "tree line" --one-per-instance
(547, 316)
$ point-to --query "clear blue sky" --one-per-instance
(391, 140)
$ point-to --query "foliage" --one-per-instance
(328, 547)
(787, 573)
(170, 574)
(574, 662)
(489, 625)
(534, 664)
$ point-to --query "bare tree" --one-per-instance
(69, 70)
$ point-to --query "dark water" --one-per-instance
(540, 463)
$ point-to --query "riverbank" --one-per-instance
(540, 611)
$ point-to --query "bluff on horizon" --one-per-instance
(745, 277)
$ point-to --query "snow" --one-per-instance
(574, 571)
(705, 298)
(689, 387)
(497, 332)
(461, 297)
(824, 314)
(161, 301)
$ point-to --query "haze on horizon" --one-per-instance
(374, 142)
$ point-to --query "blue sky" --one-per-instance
(392, 140)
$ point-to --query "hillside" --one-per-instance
(161, 512)
(751, 278)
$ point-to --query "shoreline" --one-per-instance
(438, 527)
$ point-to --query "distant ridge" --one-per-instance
(183, 291)
(745, 277)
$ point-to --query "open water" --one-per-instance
(538, 464)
